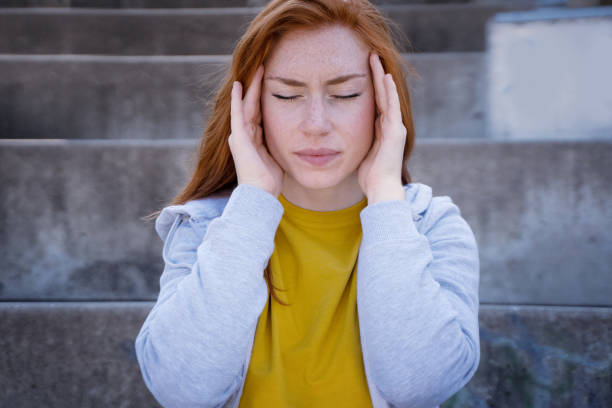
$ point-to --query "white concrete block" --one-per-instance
(550, 74)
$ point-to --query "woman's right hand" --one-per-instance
(254, 164)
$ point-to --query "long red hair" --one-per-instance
(215, 167)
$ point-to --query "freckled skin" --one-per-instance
(318, 117)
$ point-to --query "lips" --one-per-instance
(319, 156)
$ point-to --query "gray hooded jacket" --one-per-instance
(417, 298)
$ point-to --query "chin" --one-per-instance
(320, 181)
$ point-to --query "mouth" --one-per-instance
(318, 157)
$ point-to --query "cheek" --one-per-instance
(274, 133)
(269, 122)
(362, 127)
(279, 123)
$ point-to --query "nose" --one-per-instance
(316, 120)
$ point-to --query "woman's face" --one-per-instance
(318, 108)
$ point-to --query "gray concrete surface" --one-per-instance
(247, 3)
(122, 32)
(449, 95)
(540, 211)
(71, 355)
(178, 3)
(541, 357)
(82, 355)
(70, 216)
(101, 97)
(429, 28)
(106, 251)
(549, 73)
(65, 97)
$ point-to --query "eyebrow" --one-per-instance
(334, 81)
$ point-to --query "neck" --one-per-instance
(332, 198)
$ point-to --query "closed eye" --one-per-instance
(294, 97)
(346, 96)
(286, 98)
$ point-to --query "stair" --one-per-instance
(162, 97)
(213, 31)
(100, 116)
(77, 253)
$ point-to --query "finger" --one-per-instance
(373, 150)
(393, 102)
(236, 121)
(378, 74)
(251, 99)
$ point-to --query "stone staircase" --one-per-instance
(102, 105)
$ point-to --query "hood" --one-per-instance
(417, 194)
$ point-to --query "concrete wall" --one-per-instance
(541, 357)
(94, 97)
(70, 216)
(541, 214)
(214, 31)
(167, 97)
(249, 3)
(549, 73)
(82, 355)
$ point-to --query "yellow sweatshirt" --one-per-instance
(308, 354)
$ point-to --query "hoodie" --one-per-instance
(417, 298)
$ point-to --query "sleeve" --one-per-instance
(193, 344)
(418, 301)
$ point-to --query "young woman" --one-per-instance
(302, 267)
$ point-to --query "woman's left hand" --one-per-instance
(380, 173)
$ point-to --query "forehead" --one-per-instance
(327, 50)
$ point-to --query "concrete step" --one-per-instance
(531, 53)
(429, 28)
(72, 355)
(71, 226)
(251, 3)
(95, 97)
(82, 355)
(541, 357)
(101, 97)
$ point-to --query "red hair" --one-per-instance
(215, 167)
